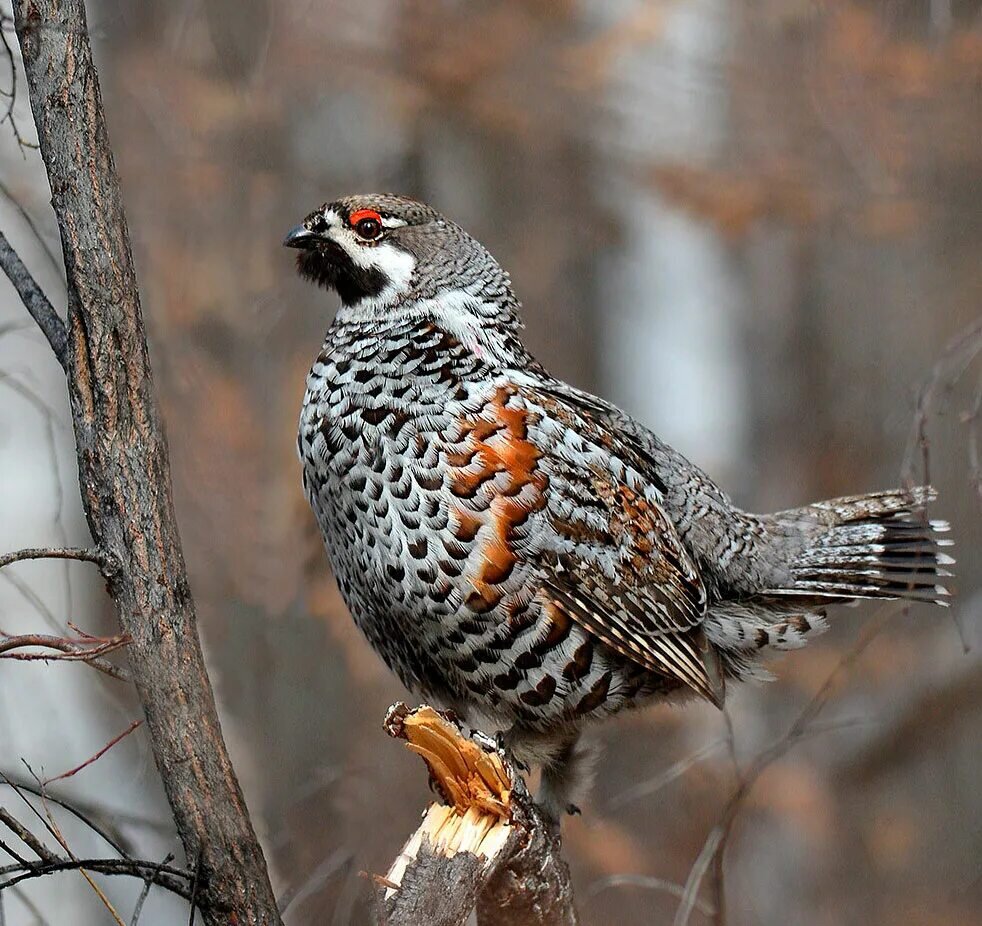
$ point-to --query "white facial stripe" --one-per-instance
(396, 264)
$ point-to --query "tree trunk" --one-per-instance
(124, 472)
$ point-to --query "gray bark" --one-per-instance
(124, 472)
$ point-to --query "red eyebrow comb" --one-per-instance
(356, 217)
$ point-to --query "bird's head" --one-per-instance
(386, 255)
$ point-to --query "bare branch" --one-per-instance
(82, 812)
(952, 363)
(649, 786)
(326, 870)
(66, 650)
(646, 882)
(35, 301)
(50, 863)
(27, 837)
(173, 879)
(12, 854)
(145, 893)
(971, 421)
(77, 553)
(50, 858)
(711, 855)
(928, 718)
(11, 94)
(94, 758)
(195, 883)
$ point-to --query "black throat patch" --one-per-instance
(328, 265)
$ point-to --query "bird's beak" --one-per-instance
(300, 237)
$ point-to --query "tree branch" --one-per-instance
(489, 846)
(145, 893)
(77, 553)
(93, 758)
(124, 470)
(65, 650)
(714, 848)
(50, 862)
(34, 299)
(165, 875)
(106, 828)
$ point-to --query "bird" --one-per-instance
(524, 553)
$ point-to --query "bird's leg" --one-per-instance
(567, 777)
(509, 741)
(567, 767)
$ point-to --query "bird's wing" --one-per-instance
(607, 553)
(734, 549)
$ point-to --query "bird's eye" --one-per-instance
(367, 224)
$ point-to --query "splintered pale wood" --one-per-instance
(438, 874)
(477, 786)
(467, 775)
(447, 833)
(488, 845)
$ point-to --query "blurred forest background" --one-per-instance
(754, 225)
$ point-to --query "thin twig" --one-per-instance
(85, 810)
(42, 818)
(677, 770)
(326, 870)
(64, 844)
(646, 882)
(35, 301)
(957, 355)
(23, 870)
(971, 421)
(80, 813)
(26, 837)
(66, 650)
(715, 845)
(145, 893)
(12, 854)
(11, 94)
(194, 890)
(30, 553)
(167, 876)
(93, 758)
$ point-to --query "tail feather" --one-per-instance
(871, 546)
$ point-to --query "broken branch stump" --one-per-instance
(488, 846)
